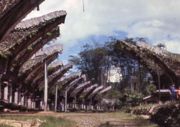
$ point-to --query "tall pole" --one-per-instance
(45, 87)
(159, 85)
(159, 82)
(140, 76)
(83, 6)
(56, 97)
(0, 86)
(65, 103)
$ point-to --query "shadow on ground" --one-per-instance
(126, 124)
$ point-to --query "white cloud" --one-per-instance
(172, 45)
(157, 20)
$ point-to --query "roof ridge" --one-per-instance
(39, 20)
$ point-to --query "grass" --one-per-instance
(2, 125)
(128, 118)
(50, 121)
(107, 118)
(56, 122)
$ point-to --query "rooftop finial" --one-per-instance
(83, 5)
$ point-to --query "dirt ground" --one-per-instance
(97, 119)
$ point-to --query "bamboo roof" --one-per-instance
(56, 63)
(171, 60)
(59, 74)
(36, 22)
(34, 81)
(29, 31)
(65, 81)
(6, 5)
(101, 92)
(62, 81)
(105, 90)
(147, 55)
(39, 75)
(79, 88)
(86, 90)
(27, 53)
(90, 88)
(88, 93)
(97, 90)
(73, 84)
(12, 12)
(53, 78)
(32, 64)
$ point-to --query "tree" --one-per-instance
(96, 61)
(91, 62)
(161, 46)
(151, 88)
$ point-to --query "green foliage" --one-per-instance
(161, 45)
(29, 47)
(49, 120)
(113, 94)
(49, 33)
(3, 125)
(3, 55)
(167, 115)
(134, 98)
(57, 122)
(90, 61)
(151, 89)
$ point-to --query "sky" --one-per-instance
(156, 20)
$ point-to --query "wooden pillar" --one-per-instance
(75, 102)
(159, 85)
(56, 98)
(45, 87)
(6, 93)
(25, 101)
(41, 105)
(65, 101)
(22, 100)
(33, 105)
(16, 97)
(29, 103)
(10, 94)
(0, 86)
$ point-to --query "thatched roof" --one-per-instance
(86, 90)
(53, 78)
(31, 63)
(151, 58)
(40, 75)
(42, 20)
(97, 90)
(35, 80)
(34, 63)
(79, 88)
(105, 90)
(90, 88)
(74, 84)
(68, 81)
(29, 31)
(6, 5)
(12, 12)
(66, 78)
(59, 74)
(55, 63)
(171, 60)
(27, 53)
